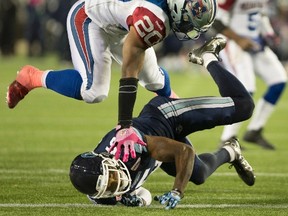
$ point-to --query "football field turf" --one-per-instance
(42, 135)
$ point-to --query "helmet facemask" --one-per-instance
(99, 175)
(114, 181)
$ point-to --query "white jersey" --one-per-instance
(97, 30)
(243, 16)
(121, 13)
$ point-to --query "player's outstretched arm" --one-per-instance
(133, 59)
(168, 150)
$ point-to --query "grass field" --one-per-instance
(41, 136)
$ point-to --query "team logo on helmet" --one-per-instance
(197, 8)
(88, 155)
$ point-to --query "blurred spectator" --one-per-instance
(57, 11)
(7, 26)
(34, 32)
(279, 21)
(170, 53)
(44, 28)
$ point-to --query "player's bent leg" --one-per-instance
(27, 78)
(66, 82)
(241, 165)
(262, 113)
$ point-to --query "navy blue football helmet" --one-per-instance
(99, 175)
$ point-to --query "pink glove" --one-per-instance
(126, 137)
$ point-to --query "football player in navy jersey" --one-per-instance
(123, 30)
(160, 130)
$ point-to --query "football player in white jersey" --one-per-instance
(123, 30)
(247, 54)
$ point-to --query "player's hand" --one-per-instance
(131, 200)
(126, 138)
(170, 199)
(273, 41)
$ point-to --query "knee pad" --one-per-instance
(91, 97)
(274, 92)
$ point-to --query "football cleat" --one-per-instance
(214, 46)
(15, 93)
(256, 137)
(241, 165)
(27, 78)
(222, 143)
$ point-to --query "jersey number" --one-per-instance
(253, 22)
(147, 31)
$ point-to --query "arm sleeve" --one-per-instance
(127, 98)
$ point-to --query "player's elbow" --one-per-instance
(188, 152)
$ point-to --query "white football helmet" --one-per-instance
(191, 17)
(99, 175)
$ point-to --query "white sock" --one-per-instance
(231, 152)
(262, 112)
(230, 131)
(44, 78)
(207, 58)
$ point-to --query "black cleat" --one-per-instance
(241, 165)
(256, 137)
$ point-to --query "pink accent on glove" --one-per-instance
(126, 137)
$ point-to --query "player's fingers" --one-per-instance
(132, 151)
(118, 152)
(126, 153)
(130, 144)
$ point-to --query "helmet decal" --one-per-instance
(197, 8)
(88, 155)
